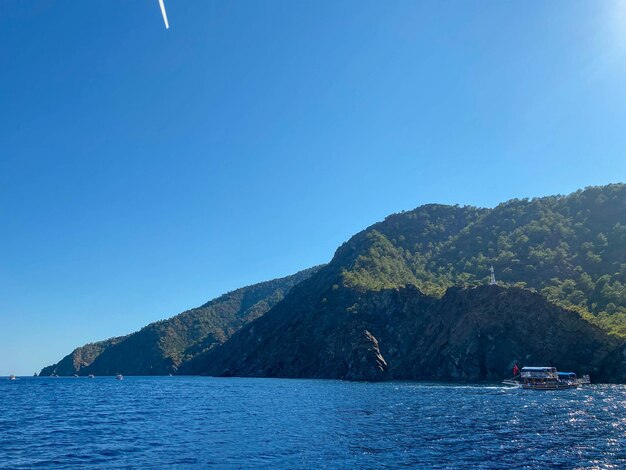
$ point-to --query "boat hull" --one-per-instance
(550, 386)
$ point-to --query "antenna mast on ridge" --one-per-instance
(492, 279)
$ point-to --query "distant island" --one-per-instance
(409, 298)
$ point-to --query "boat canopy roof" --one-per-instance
(567, 373)
(538, 368)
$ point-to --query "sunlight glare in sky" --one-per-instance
(618, 22)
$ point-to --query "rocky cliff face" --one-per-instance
(469, 334)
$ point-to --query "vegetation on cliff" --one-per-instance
(571, 249)
(161, 347)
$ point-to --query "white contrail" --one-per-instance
(162, 5)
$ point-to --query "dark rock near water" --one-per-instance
(366, 361)
(401, 334)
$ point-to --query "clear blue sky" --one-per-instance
(145, 171)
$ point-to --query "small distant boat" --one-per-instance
(119, 377)
(546, 378)
(12, 377)
(91, 376)
(75, 375)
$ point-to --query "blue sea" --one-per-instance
(198, 422)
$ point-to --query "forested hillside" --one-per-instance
(161, 347)
(571, 249)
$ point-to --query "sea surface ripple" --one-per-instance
(198, 422)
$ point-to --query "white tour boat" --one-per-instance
(546, 378)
